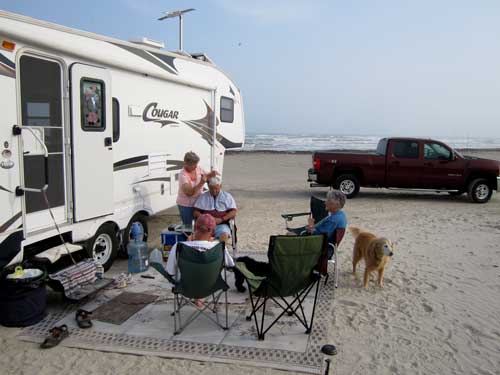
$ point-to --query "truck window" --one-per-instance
(405, 149)
(381, 147)
(435, 151)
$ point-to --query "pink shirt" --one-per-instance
(182, 198)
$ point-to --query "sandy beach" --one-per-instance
(438, 312)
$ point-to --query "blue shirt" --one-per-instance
(328, 225)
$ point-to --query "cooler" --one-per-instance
(168, 239)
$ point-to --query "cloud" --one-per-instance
(276, 10)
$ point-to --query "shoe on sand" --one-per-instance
(56, 335)
(82, 318)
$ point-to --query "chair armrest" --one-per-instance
(289, 217)
(159, 267)
(254, 281)
(248, 274)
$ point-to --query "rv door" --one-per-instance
(92, 130)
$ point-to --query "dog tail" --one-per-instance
(354, 231)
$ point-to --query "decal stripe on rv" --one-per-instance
(9, 222)
(7, 67)
(149, 57)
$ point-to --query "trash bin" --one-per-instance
(23, 297)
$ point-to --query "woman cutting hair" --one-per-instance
(191, 181)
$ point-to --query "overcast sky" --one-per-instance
(368, 67)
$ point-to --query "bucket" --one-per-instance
(23, 296)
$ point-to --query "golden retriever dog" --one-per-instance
(374, 250)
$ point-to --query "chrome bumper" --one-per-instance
(312, 176)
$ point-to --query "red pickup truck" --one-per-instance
(409, 163)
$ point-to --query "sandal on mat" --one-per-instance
(56, 335)
(83, 318)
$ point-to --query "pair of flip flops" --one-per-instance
(56, 335)
(59, 333)
(82, 318)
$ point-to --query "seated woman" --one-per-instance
(336, 219)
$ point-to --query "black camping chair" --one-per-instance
(318, 212)
(294, 270)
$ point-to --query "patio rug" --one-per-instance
(122, 307)
(150, 330)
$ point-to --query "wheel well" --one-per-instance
(142, 212)
(112, 223)
(490, 178)
(358, 173)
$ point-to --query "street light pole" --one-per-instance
(177, 13)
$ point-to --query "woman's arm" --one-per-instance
(192, 190)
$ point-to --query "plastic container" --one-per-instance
(137, 251)
(24, 297)
(168, 239)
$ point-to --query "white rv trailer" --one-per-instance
(111, 120)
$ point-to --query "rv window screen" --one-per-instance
(116, 120)
(92, 105)
(226, 109)
(41, 106)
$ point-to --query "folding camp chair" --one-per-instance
(198, 275)
(234, 237)
(318, 213)
(293, 272)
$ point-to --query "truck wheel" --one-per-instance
(480, 191)
(142, 221)
(348, 184)
(103, 247)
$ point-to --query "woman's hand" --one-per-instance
(212, 173)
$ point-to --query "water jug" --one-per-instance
(137, 251)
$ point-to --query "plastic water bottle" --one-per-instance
(137, 250)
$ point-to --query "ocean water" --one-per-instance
(304, 142)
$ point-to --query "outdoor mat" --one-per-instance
(122, 307)
(150, 330)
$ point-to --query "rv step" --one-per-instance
(55, 253)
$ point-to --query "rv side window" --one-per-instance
(116, 120)
(92, 105)
(226, 109)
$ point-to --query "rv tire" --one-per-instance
(103, 247)
(137, 218)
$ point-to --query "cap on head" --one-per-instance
(205, 224)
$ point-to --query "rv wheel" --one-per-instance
(104, 245)
(142, 221)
